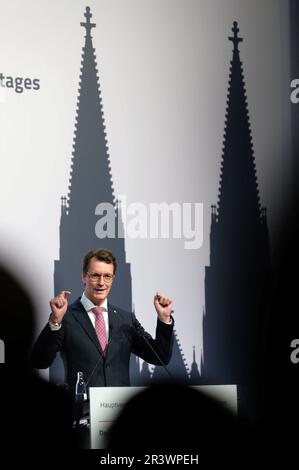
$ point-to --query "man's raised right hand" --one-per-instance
(59, 306)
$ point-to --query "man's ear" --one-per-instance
(83, 277)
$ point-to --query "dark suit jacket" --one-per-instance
(81, 351)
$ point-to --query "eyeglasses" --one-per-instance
(108, 278)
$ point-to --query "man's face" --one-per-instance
(98, 280)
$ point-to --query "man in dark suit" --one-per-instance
(97, 338)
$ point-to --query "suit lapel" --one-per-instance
(80, 314)
(82, 317)
(113, 321)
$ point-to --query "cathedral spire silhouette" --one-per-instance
(239, 267)
(91, 160)
(194, 373)
(238, 194)
(90, 184)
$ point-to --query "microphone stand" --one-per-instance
(80, 405)
(139, 329)
(100, 359)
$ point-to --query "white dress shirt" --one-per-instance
(89, 305)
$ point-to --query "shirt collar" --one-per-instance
(89, 305)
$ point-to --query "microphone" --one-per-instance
(100, 357)
(141, 332)
(79, 412)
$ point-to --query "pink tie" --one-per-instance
(100, 327)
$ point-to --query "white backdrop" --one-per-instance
(163, 69)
